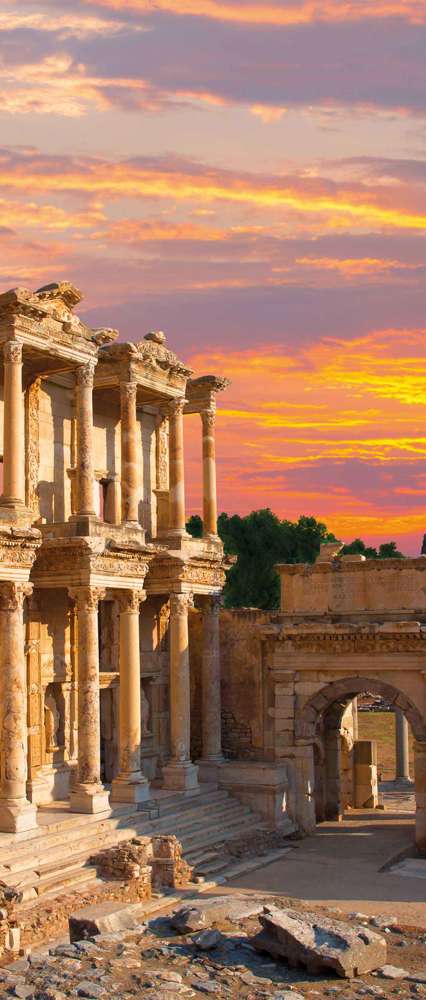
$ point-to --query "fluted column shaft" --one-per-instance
(401, 745)
(84, 419)
(211, 700)
(180, 773)
(13, 430)
(88, 795)
(16, 813)
(129, 453)
(130, 784)
(208, 419)
(176, 468)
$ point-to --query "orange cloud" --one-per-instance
(289, 416)
(336, 206)
(306, 12)
(351, 267)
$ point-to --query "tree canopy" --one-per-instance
(261, 539)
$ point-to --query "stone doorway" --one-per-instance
(342, 770)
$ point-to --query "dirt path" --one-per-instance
(340, 867)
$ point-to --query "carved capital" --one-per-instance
(180, 604)
(12, 595)
(85, 375)
(130, 600)
(211, 605)
(87, 598)
(128, 391)
(176, 407)
(208, 419)
(12, 352)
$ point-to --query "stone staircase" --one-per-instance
(55, 858)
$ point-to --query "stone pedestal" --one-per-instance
(17, 814)
(88, 795)
(180, 774)
(212, 758)
(130, 785)
(208, 418)
(365, 774)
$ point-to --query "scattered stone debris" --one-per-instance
(151, 960)
(391, 972)
(213, 910)
(319, 943)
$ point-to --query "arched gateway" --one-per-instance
(347, 626)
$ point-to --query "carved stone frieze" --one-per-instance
(338, 644)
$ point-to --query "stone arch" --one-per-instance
(337, 691)
(347, 688)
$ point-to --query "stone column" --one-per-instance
(210, 687)
(332, 750)
(208, 418)
(401, 746)
(13, 431)
(88, 795)
(130, 785)
(129, 455)
(176, 469)
(17, 814)
(84, 420)
(420, 790)
(180, 773)
(302, 755)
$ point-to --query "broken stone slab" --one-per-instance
(382, 921)
(392, 972)
(319, 943)
(208, 939)
(416, 977)
(108, 917)
(201, 915)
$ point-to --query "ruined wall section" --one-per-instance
(242, 683)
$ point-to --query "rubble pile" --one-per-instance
(154, 862)
(114, 952)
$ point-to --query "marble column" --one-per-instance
(130, 785)
(129, 454)
(176, 469)
(84, 421)
(17, 814)
(13, 430)
(210, 691)
(401, 745)
(180, 773)
(208, 419)
(420, 791)
(88, 795)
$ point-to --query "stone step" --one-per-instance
(216, 836)
(84, 827)
(53, 886)
(99, 838)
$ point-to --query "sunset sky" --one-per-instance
(250, 177)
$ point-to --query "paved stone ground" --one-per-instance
(341, 867)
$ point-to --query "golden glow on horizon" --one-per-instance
(285, 14)
(362, 207)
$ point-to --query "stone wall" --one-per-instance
(242, 687)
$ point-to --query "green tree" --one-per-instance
(260, 540)
(387, 550)
(194, 526)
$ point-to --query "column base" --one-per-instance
(17, 816)
(209, 769)
(181, 776)
(15, 514)
(131, 790)
(89, 799)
